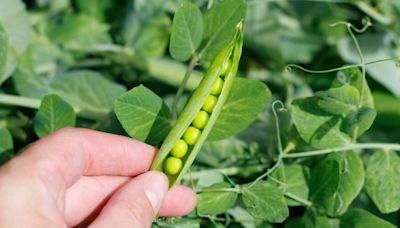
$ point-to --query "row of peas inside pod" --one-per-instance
(173, 164)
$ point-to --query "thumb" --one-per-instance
(136, 204)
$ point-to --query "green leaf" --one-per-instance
(97, 9)
(358, 218)
(144, 115)
(325, 180)
(147, 28)
(54, 113)
(3, 52)
(215, 202)
(230, 151)
(246, 100)
(6, 145)
(15, 21)
(353, 77)
(43, 56)
(295, 178)
(339, 101)
(187, 31)
(270, 39)
(220, 26)
(79, 32)
(318, 128)
(208, 178)
(382, 180)
(265, 201)
(244, 218)
(176, 223)
(358, 122)
(310, 219)
(351, 182)
(87, 91)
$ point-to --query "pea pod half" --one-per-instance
(193, 125)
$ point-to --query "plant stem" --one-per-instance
(34, 103)
(172, 72)
(384, 146)
(15, 100)
(269, 171)
(237, 190)
(298, 199)
(182, 87)
(229, 171)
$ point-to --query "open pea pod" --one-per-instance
(230, 54)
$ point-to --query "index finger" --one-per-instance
(73, 152)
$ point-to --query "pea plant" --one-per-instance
(314, 148)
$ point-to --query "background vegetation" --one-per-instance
(74, 58)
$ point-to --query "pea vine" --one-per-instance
(288, 152)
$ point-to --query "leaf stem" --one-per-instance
(362, 146)
(237, 190)
(15, 100)
(228, 171)
(298, 199)
(192, 65)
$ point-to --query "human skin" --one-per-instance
(80, 177)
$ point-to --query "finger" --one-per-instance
(69, 153)
(85, 199)
(179, 201)
(136, 204)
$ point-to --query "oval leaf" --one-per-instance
(54, 113)
(350, 184)
(215, 202)
(318, 128)
(144, 115)
(265, 201)
(15, 21)
(76, 87)
(187, 30)
(246, 100)
(220, 25)
(341, 100)
(325, 179)
(383, 178)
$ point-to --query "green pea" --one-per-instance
(226, 67)
(201, 119)
(191, 135)
(217, 87)
(172, 165)
(210, 103)
(180, 149)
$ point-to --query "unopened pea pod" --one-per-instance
(194, 106)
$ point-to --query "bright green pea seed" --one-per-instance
(217, 87)
(172, 165)
(226, 66)
(191, 135)
(180, 149)
(201, 119)
(210, 103)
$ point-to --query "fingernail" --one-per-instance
(155, 189)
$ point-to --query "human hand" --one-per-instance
(77, 177)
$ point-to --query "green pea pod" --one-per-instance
(233, 52)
